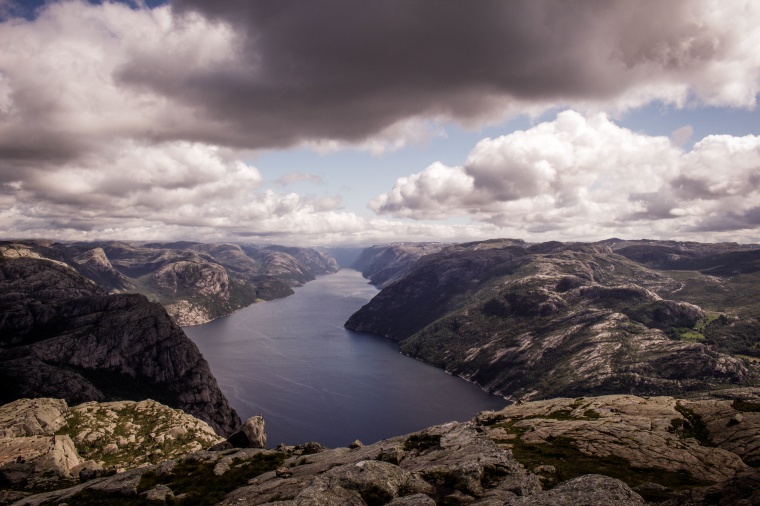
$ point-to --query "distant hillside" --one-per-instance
(195, 282)
(384, 264)
(554, 319)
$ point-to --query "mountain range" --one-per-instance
(195, 282)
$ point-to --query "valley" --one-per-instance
(637, 361)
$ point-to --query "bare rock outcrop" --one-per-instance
(95, 265)
(35, 461)
(646, 432)
(32, 417)
(43, 442)
(250, 435)
(659, 445)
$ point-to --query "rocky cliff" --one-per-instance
(384, 264)
(195, 282)
(552, 320)
(62, 336)
(622, 450)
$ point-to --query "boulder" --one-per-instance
(250, 434)
(32, 417)
(35, 460)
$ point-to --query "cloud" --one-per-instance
(120, 121)
(367, 67)
(586, 177)
(376, 75)
(298, 177)
(681, 135)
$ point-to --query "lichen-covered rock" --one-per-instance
(435, 462)
(588, 490)
(127, 434)
(654, 432)
(44, 442)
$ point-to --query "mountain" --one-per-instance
(63, 336)
(195, 282)
(553, 319)
(384, 264)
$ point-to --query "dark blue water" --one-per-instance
(292, 361)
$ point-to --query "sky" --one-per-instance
(347, 122)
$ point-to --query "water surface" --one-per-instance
(313, 380)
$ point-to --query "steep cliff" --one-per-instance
(550, 320)
(62, 336)
(384, 264)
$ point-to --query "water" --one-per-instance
(292, 361)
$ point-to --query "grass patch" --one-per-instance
(591, 414)
(569, 462)
(422, 442)
(690, 335)
(746, 406)
(196, 478)
(693, 426)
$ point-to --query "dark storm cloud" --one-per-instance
(344, 69)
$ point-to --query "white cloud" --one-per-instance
(681, 135)
(127, 122)
(581, 177)
(298, 177)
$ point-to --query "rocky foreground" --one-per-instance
(617, 449)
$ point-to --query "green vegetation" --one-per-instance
(746, 406)
(193, 480)
(422, 442)
(693, 426)
(197, 479)
(124, 423)
(733, 306)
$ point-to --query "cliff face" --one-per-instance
(62, 336)
(384, 264)
(551, 320)
(195, 282)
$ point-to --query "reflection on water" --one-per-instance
(292, 361)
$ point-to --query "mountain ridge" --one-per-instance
(554, 319)
(196, 282)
